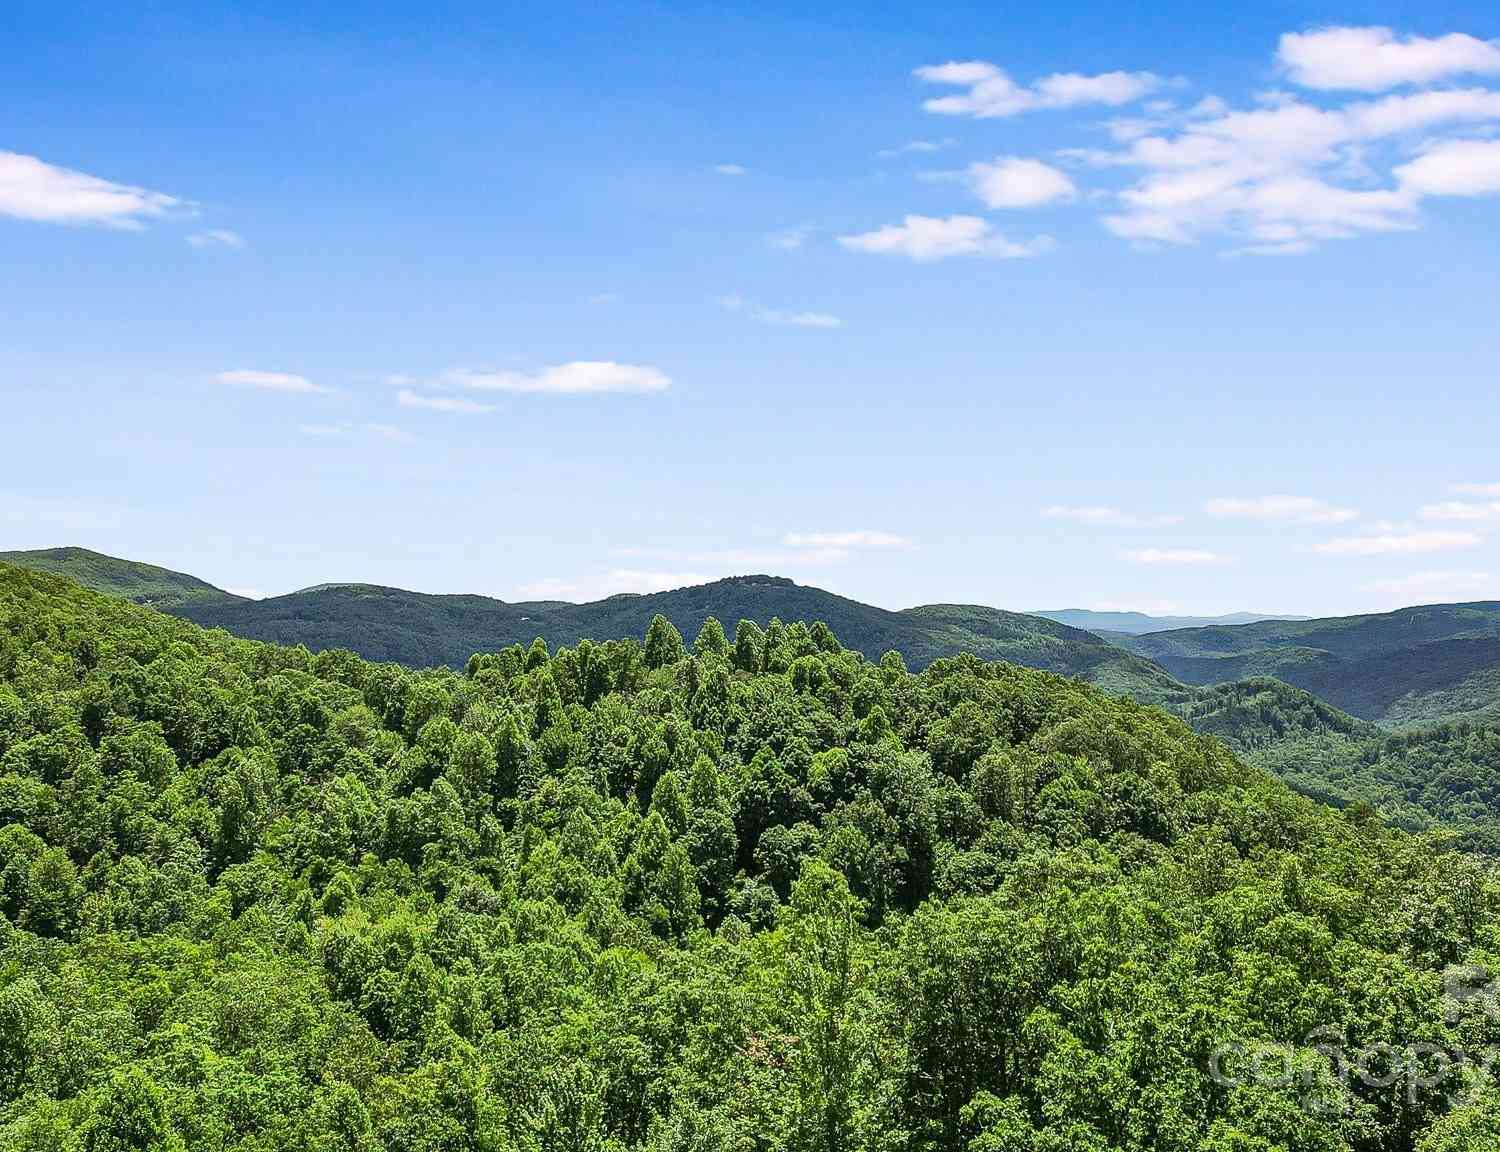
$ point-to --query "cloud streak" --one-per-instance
(925, 239)
(989, 93)
(438, 403)
(1399, 543)
(579, 377)
(1293, 509)
(31, 189)
(287, 382)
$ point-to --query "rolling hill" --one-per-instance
(127, 579)
(1414, 666)
(1428, 775)
(422, 630)
(417, 629)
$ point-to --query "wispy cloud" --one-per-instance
(928, 238)
(216, 238)
(789, 239)
(863, 538)
(576, 377)
(730, 169)
(1399, 543)
(778, 316)
(440, 403)
(989, 92)
(1103, 514)
(1373, 59)
(917, 147)
(1462, 510)
(1175, 557)
(31, 189)
(1476, 489)
(288, 382)
(1295, 509)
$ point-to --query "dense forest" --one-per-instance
(751, 892)
(1442, 776)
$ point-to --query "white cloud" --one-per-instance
(1175, 557)
(730, 169)
(1285, 176)
(1019, 182)
(929, 238)
(1454, 168)
(1299, 509)
(1437, 587)
(1399, 543)
(991, 93)
(1089, 514)
(409, 399)
(1462, 510)
(779, 316)
(32, 189)
(1371, 59)
(1476, 489)
(216, 238)
(924, 147)
(789, 239)
(576, 377)
(856, 539)
(270, 381)
(1101, 514)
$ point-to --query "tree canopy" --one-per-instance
(758, 895)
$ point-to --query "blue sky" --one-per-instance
(1174, 309)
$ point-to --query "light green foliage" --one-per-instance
(620, 896)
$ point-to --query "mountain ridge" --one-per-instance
(1133, 623)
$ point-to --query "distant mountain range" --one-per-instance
(1138, 623)
(1408, 667)
(1313, 701)
(1417, 666)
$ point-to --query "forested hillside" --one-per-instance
(753, 893)
(422, 630)
(1415, 666)
(142, 583)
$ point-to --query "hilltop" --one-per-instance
(128, 579)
